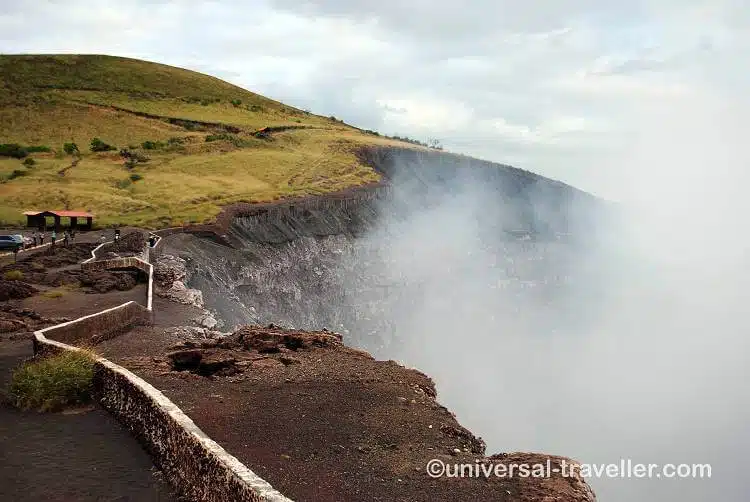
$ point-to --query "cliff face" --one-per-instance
(514, 202)
(361, 260)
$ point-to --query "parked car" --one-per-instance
(10, 242)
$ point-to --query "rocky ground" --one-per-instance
(59, 266)
(131, 242)
(170, 277)
(19, 323)
(47, 286)
(321, 421)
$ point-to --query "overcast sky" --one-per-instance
(555, 87)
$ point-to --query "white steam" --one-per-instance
(636, 347)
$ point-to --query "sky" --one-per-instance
(558, 88)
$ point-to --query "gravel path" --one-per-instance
(83, 456)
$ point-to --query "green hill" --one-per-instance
(190, 140)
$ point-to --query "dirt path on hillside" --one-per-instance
(82, 457)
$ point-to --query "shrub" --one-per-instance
(28, 162)
(17, 173)
(152, 145)
(236, 102)
(13, 275)
(135, 177)
(70, 148)
(53, 382)
(13, 150)
(255, 108)
(97, 145)
(38, 149)
(133, 157)
(175, 141)
(217, 137)
(53, 293)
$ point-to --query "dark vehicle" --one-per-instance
(10, 242)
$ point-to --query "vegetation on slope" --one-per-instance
(183, 144)
(54, 382)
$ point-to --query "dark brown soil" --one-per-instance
(321, 421)
(76, 303)
(15, 290)
(61, 266)
(21, 322)
(103, 281)
(51, 258)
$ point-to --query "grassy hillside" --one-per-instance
(191, 135)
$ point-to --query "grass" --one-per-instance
(178, 188)
(54, 294)
(192, 170)
(13, 275)
(54, 382)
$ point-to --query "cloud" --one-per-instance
(509, 73)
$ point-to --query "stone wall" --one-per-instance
(103, 325)
(193, 463)
(123, 262)
(94, 251)
(128, 262)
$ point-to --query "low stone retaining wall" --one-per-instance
(94, 328)
(126, 262)
(192, 462)
(122, 262)
(93, 252)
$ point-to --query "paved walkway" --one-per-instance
(82, 457)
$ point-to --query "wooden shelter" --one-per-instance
(38, 219)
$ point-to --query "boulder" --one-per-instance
(185, 359)
(203, 362)
(207, 321)
(169, 269)
(180, 293)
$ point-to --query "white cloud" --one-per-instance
(538, 83)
